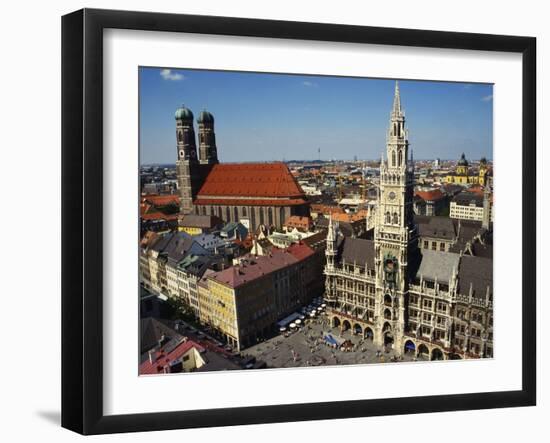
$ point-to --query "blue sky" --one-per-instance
(264, 117)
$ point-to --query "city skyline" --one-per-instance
(267, 117)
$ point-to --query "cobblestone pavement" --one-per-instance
(306, 348)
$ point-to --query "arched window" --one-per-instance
(282, 218)
(261, 216)
(244, 211)
(400, 157)
(270, 216)
(393, 158)
(180, 137)
(204, 210)
(395, 218)
(388, 218)
(236, 213)
(227, 214)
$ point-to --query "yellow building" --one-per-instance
(464, 176)
(217, 307)
(199, 224)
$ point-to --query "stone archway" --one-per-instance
(410, 347)
(437, 354)
(357, 329)
(387, 300)
(335, 322)
(369, 334)
(423, 351)
(346, 325)
(387, 314)
(387, 334)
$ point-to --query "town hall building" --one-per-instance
(436, 304)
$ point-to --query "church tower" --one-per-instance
(187, 165)
(395, 236)
(208, 152)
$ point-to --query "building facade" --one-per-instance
(244, 302)
(433, 303)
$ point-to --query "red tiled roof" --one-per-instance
(260, 180)
(161, 200)
(432, 195)
(159, 216)
(160, 359)
(326, 209)
(476, 189)
(300, 250)
(249, 202)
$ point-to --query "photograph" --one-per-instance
(293, 221)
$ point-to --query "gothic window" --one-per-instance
(393, 158)
(388, 218)
(400, 158)
(244, 211)
(270, 216)
(227, 214)
(261, 216)
(395, 218)
(180, 137)
(219, 211)
(236, 213)
(281, 215)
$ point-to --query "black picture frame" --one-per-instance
(82, 215)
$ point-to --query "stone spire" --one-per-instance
(332, 236)
(396, 110)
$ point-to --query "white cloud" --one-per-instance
(309, 84)
(487, 98)
(167, 74)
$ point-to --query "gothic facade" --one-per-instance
(434, 303)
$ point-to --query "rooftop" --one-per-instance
(259, 180)
(252, 267)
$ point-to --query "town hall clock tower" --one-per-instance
(395, 235)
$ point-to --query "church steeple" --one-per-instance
(396, 110)
(397, 135)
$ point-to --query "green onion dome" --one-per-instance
(205, 117)
(463, 161)
(183, 113)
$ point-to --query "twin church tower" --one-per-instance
(191, 170)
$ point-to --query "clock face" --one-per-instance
(391, 195)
